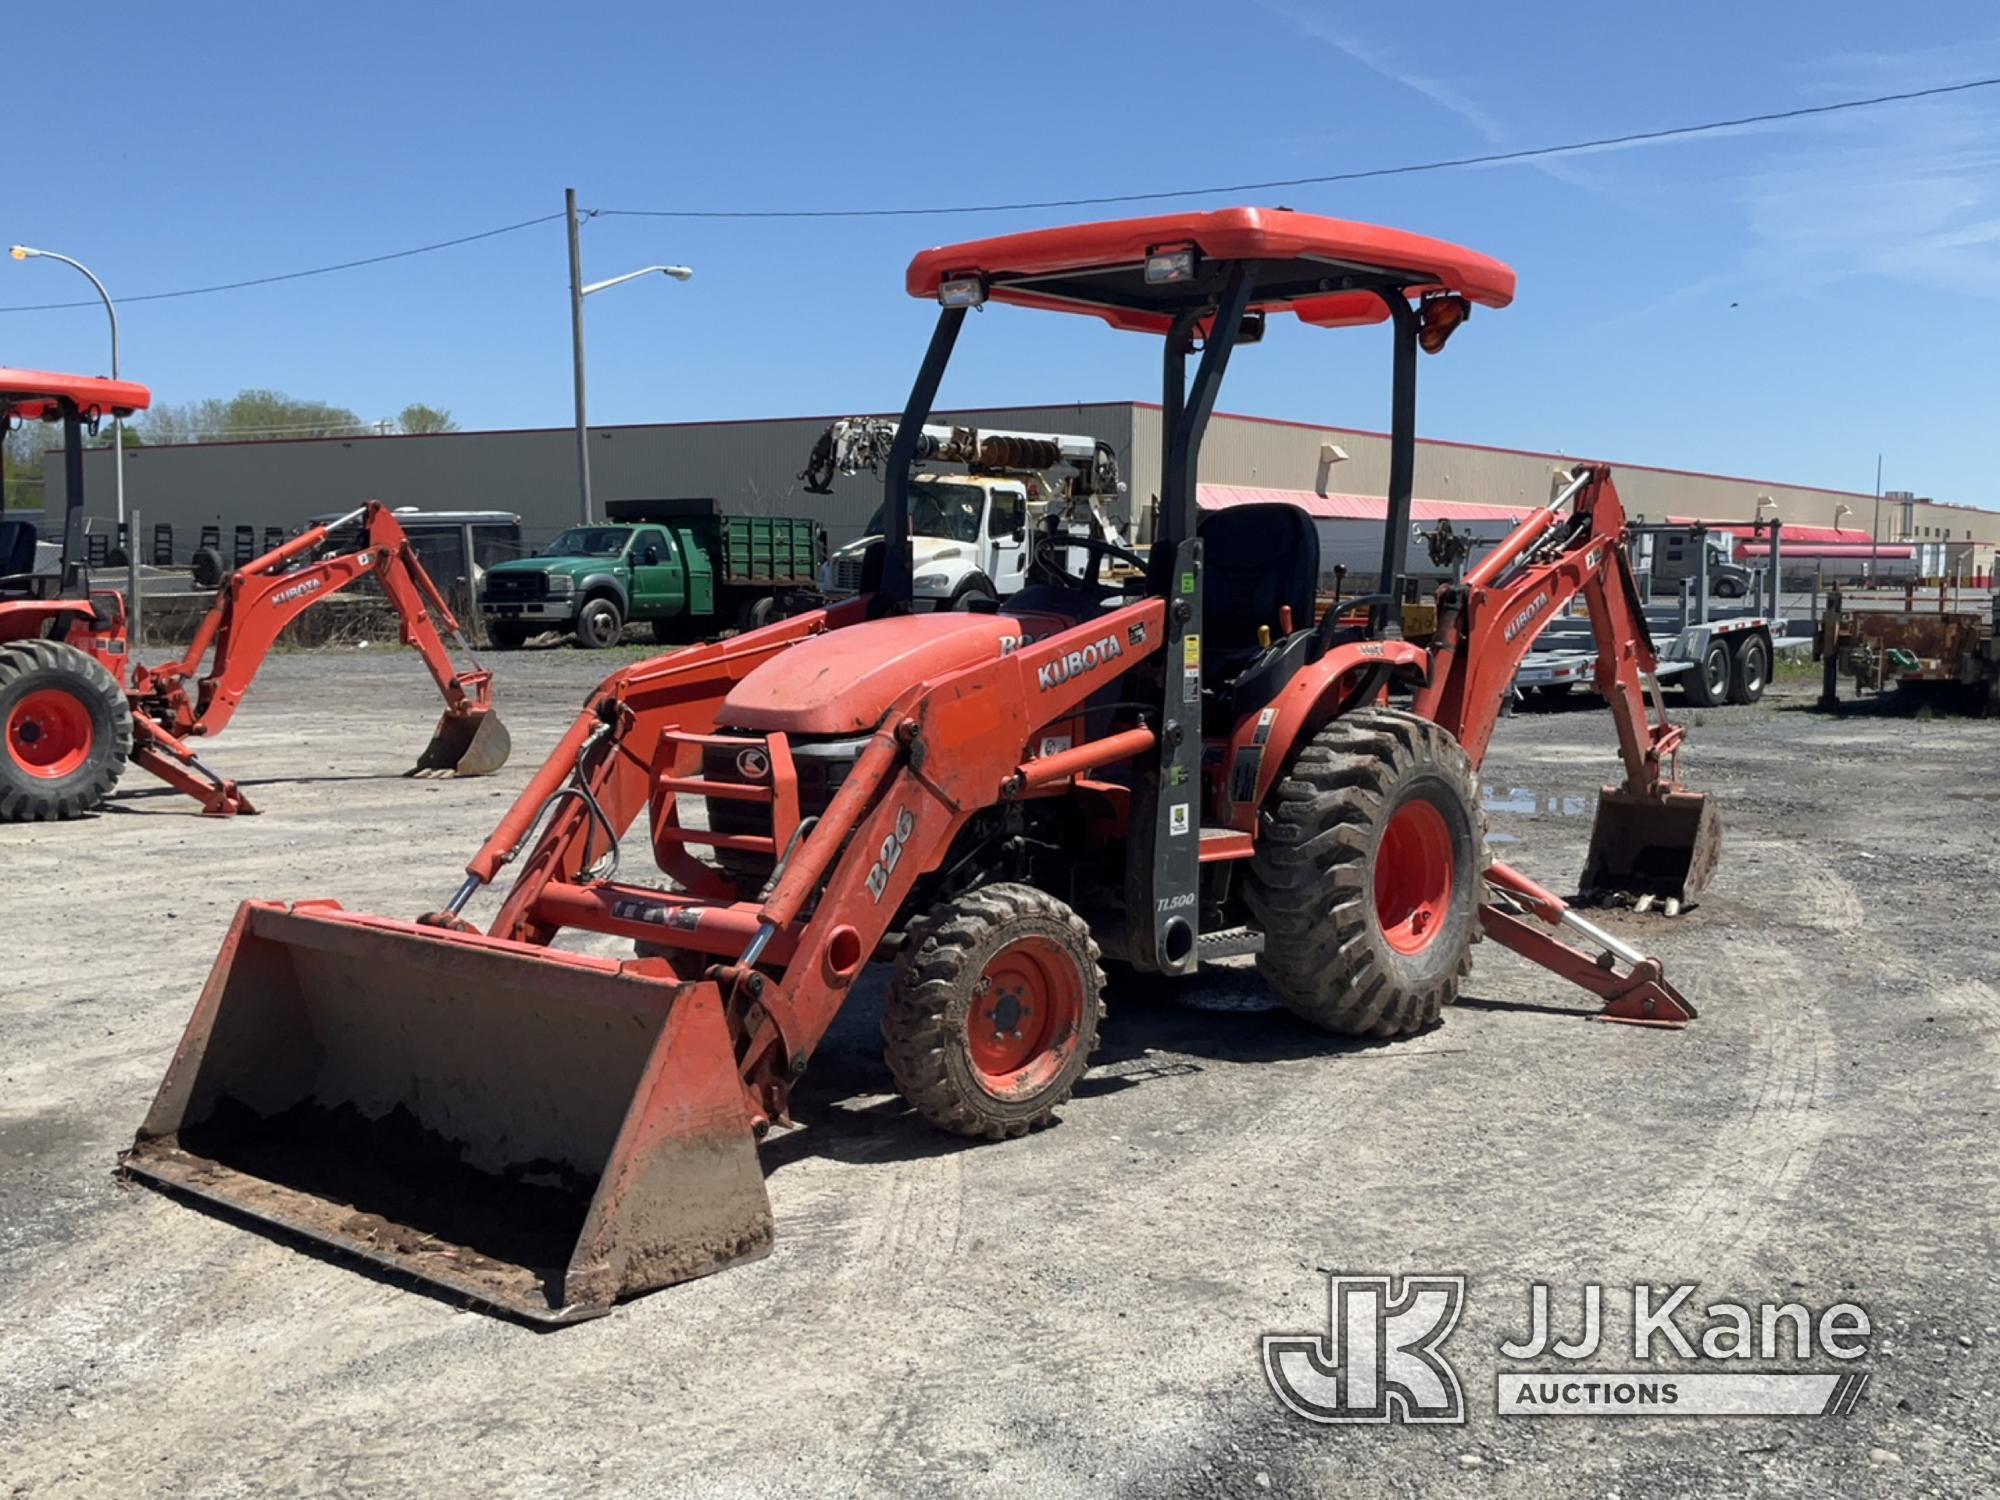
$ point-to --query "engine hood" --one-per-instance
(844, 681)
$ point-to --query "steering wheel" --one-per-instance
(1098, 549)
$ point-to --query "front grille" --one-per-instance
(847, 575)
(822, 766)
(516, 588)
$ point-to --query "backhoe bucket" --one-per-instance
(468, 744)
(1651, 847)
(538, 1131)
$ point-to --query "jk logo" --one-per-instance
(1378, 1359)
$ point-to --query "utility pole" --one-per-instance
(576, 351)
(1875, 547)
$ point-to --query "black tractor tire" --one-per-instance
(1749, 668)
(599, 623)
(993, 1011)
(1368, 874)
(1706, 683)
(207, 569)
(508, 635)
(68, 732)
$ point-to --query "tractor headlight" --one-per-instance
(561, 583)
(1164, 267)
(962, 291)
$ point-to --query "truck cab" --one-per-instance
(592, 580)
(969, 541)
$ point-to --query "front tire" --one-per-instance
(67, 732)
(599, 624)
(993, 1011)
(1367, 875)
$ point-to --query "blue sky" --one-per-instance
(1781, 301)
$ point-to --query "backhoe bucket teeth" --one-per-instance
(1651, 847)
(469, 744)
(537, 1131)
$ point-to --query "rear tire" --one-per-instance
(599, 624)
(1706, 683)
(1367, 875)
(67, 732)
(1750, 669)
(754, 614)
(993, 1011)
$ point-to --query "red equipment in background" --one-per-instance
(74, 709)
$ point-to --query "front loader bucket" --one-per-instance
(538, 1131)
(1651, 847)
(468, 744)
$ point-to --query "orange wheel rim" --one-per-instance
(1021, 1029)
(49, 733)
(1414, 874)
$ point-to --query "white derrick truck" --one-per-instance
(975, 529)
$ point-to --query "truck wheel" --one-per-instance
(506, 635)
(1750, 672)
(599, 624)
(1368, 873)
(971, 594)
(993, 1011)
(68, 732)
(1706, 683)
(756, 613)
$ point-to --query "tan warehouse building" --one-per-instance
(753, 465)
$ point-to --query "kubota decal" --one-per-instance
(286, 596)
(892, 852)
(1087, 659)
(1523, 615)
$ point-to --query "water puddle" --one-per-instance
(1530, 803)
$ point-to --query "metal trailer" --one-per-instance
(1713, 656)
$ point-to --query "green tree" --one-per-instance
(419, 418)
(248, 416)
(21, 457)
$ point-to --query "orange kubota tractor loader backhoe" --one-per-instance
(1180, 766)
(75, 708)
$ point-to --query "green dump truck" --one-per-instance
(681, 565)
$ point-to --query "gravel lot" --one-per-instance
(1077, 1312)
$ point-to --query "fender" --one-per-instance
(601, 582)
(1261, 746)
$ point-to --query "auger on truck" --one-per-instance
(76, 708)
(974, 534)
(1185, 766)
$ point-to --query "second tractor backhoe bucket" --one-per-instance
(1647, 847)
(468, 744)
(534, 1130)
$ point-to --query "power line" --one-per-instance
(345, 265)
(1486, 159)
(1490, 158)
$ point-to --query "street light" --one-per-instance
(577, 292)
(28, 252)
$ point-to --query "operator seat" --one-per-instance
(1256, 559)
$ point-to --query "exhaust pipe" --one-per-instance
(540, 1132)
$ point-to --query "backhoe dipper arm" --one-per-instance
(262, 597)
(1488, 625)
